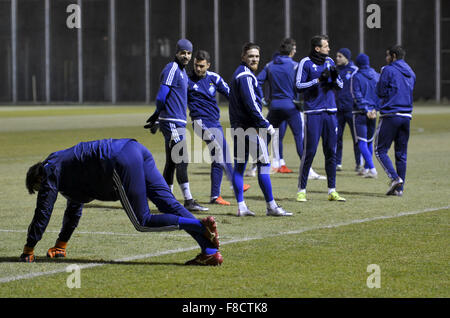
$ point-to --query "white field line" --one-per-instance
(143, 256)
(97, 233)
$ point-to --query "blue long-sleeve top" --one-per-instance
(202, 101)
(344, 98)
(395, 88)
(81, 174)
(363, 90)
(318, 96)
(245, 100)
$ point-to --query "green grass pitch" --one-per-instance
(324, 250)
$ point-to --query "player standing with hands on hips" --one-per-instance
(395, 88)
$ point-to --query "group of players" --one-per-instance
(123, 169)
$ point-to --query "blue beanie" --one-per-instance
(184, 45)
(362, 60)
(346, 52)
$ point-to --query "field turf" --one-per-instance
(324, 250)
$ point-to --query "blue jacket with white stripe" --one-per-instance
(395, 88)
(202, 101)
(245, 100)
(344, 99)
(318, 97)
(363, 90)
(280, 73)
(174, 76)
(81, 174)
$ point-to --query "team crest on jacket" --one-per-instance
(212, 90)
(348, 75)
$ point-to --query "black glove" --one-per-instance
(333, 73)
(324, 76)
(153, 123)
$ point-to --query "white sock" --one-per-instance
(275, 163)
(331, 190)
(242, 206)
(186, 191)
(272, 204)
(302, 190)
(171, 187)
(282, 162)
(373, 170)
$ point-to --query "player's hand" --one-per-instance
(372, 114)
(153, 117)
(333, 73)
(59, 250)
(27, 255)
(264, 102)
(271, 130)
(324, 75)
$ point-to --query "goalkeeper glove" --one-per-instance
(27, 255)
(59, 250)
(153, 126)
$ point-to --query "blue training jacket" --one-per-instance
(202, 101)
(245, 100)
(318, 97)
(395, 88)
(280, 73)
(363, 90)
(81, 173)
(174, 110)
(344, 98)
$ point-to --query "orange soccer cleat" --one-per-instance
(284, 169)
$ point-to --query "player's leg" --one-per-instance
(294, 120)
(363, 134)
(329, 140)
(357, 153)
(340, 133)
(313, 128)
(386, 132)
(169, 167)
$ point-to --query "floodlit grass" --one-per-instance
(322, 251)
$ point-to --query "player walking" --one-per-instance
(395, 88)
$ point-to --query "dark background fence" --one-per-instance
(117, 54)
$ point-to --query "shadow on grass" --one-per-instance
(85, 261)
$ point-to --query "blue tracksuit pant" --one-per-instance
(323, 124)
(293, 118)
(393, 129)
(212, 134)
(364, 131)
(137, 179)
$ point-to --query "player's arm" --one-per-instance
(301, 80)
(71, 218)
(46, 199)
(223, 88)
(383, 85)
(355, 91)
(251, 103)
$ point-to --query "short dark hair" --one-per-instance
(35, 172)
(286, 46)
(317, 40)
(248, 46)
(398, 51)
(202, 55)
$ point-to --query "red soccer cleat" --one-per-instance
(206, 260)
(211, 230)
(284, 169)
(246, 187)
